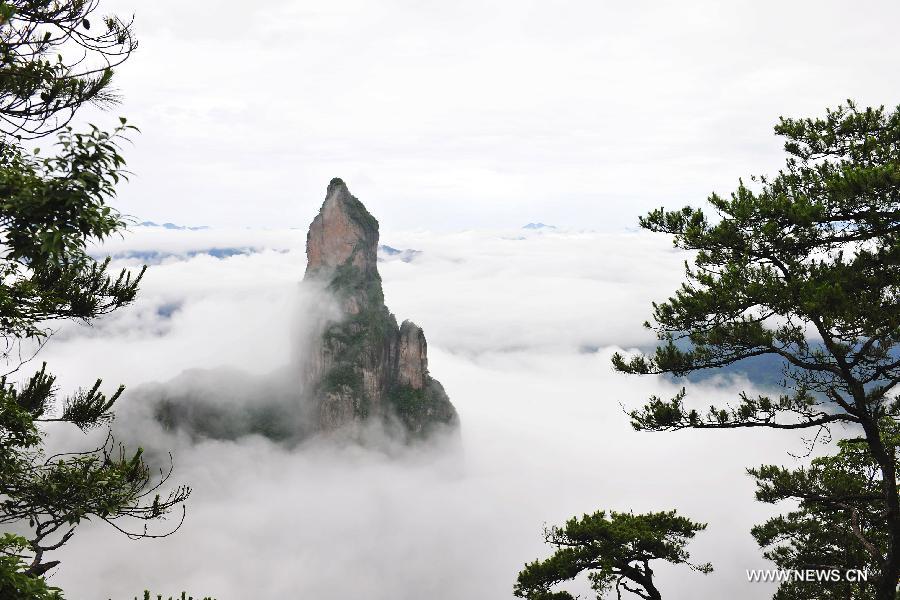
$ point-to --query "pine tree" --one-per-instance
(837, 524)
(51, 208)
(615, 550)
(804, 266)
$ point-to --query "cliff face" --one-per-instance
(364, 366)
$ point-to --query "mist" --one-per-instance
(520, 326)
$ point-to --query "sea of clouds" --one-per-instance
(520, 325)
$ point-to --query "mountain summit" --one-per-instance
(364, 366)
(360, 367)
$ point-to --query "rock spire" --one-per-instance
(365, 366)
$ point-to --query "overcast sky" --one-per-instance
(455, 115)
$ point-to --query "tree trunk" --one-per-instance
(890, 570)
(652, 592)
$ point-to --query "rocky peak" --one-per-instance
(361, 367)
(343, 233)
(342, 249)
(364, 366)
(412, 368)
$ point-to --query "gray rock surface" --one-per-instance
(364, 366)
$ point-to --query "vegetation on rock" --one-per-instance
(359, 355)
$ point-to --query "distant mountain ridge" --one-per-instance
(538, 226)
(155, 257)
(407, 255)
(172, 226)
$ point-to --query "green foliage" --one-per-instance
(340, 376)
(358, 339)
(14, 580)
(50, 208)
(52, 61)
(55, 57)
(838, 522)
(356, 210)
(372, 322)
(349, 281)
(815, 248)
(805, 266)
(421, 410)
(202, 417)
(365, 338)
(54, 494)
(615, 551)
(408, 402)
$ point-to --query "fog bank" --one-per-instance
(520, 328)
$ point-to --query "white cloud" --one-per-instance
(543, 434)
